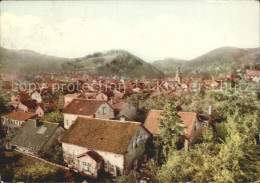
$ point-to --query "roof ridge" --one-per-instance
(114, 121)
(156, 110)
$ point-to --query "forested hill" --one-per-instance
(112, 63)
(219, 61)
(118, 62)
(124, 64)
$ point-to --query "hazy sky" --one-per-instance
(150, 29)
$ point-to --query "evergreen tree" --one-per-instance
(171, 128)
(3, 98)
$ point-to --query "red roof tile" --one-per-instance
(20, 115)
(99, 134)
(153, 119)
(83, 107)
(118, 106)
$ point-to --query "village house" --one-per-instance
(36, 136)
(253, 76)
(17, 119)
(86, 108)
(125, 109)
(194, 124)
(17, 98)
(31, 106)
(36, 95)
(94, 145)
(69, 97)
(44, 95)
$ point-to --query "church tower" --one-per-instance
(85, 77)
(178, 76)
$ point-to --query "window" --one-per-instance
(84, 163)
(89, 165)
(105, 165)
(104, 110)
(112, 169)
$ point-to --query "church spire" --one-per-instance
(178, 76)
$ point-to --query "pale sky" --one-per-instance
(151, 30)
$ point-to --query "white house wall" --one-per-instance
(70, 150)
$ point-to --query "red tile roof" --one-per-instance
(83, 107)
(153, 119)
(118, 106)
(20, 115)
(99, 134)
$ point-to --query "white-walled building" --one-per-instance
(36, 95)
(125, 109)
(86, 108)
(116, 146)
(253, 76)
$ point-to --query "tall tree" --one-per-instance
(3, 97)
(171, 128)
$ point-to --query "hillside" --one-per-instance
(124, 64)
(114, 63)
(169, 65)
(219, 61)
(26, 61)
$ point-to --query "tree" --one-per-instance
(54, 154)
(238, 158)
(234, 159)
(39, 173)
(55, 116)
(171, 129)
(4, 97)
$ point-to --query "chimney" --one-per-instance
(37, 122)
(122, 119)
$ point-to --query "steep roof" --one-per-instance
(34, 138)
(24, 96)
(153, 120)
(188, 119)
(20, 115)
(118, 106)
(83, 107)
(99, 134)
(31, 104)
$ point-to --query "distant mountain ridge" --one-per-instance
(111, 63)
(124, 64)
(27, 61)
(219, 61)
